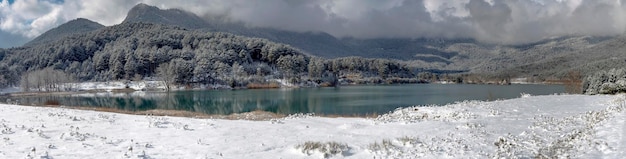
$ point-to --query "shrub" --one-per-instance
(328, 149)
(606, 82)
(263, 86)
(52, 102)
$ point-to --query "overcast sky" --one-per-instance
(492, 21)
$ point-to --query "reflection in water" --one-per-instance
(349, 100)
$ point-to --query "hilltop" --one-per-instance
(72, 27)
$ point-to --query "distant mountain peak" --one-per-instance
(151, 14)
(79, 25)
(141, 8)
(314, 43)
(82, 22)
(143, 5)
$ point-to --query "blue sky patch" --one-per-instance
(56, 1)
(52, 1)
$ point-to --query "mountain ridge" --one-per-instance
(316, 43)
(151, 14)
(547, 58)
(75, 26)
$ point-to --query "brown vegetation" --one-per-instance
(573, 82)
(52, 102)
(123, 90)
(327, 84)
(263, 86)
(367, 115)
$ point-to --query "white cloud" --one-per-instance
(28, 17)
(108, 12)
(439, 10)
(43, 23)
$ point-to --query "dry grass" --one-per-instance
(52, 102)
(573, 82)
(263, 86)
(254, 115)
(123, 90)
(367, 115)
(326, 84)
(23, 94)
(177, 113)
(257, 115)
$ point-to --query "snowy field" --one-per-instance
(563, 126)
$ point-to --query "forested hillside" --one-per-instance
(316, 43)
(547, 59)
(138, 50)
(207, 50)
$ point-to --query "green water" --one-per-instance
(346, 100)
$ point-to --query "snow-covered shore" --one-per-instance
(574, 126)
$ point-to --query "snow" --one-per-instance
(108, 86)
(9, 90)
(284, 83)
(565, 126)
(520, 81)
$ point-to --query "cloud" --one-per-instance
(108, 12)
(16, 18)
(492, 21)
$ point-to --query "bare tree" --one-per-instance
(573, 82)
(166, 73)
(47, 79)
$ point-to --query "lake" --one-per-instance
(345, 100)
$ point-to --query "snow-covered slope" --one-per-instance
(574, 126)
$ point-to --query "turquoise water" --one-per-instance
(346, 100)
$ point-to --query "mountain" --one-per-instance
(133, 51)
(549, 58)
(456, 55)
(150, 14)
(585, 55)
(75, 26)
(315, 43)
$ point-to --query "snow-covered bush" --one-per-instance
(327, 149)
(551, 137)
(414, 147)
(300, 116)
(606, 82)
(385, 145)
(426, 113)
(509, 147)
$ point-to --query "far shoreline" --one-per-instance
(130, 90)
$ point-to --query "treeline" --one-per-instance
(46, 80)
(606, 82)
(132, 51)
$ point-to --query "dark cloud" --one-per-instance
(492, 21)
